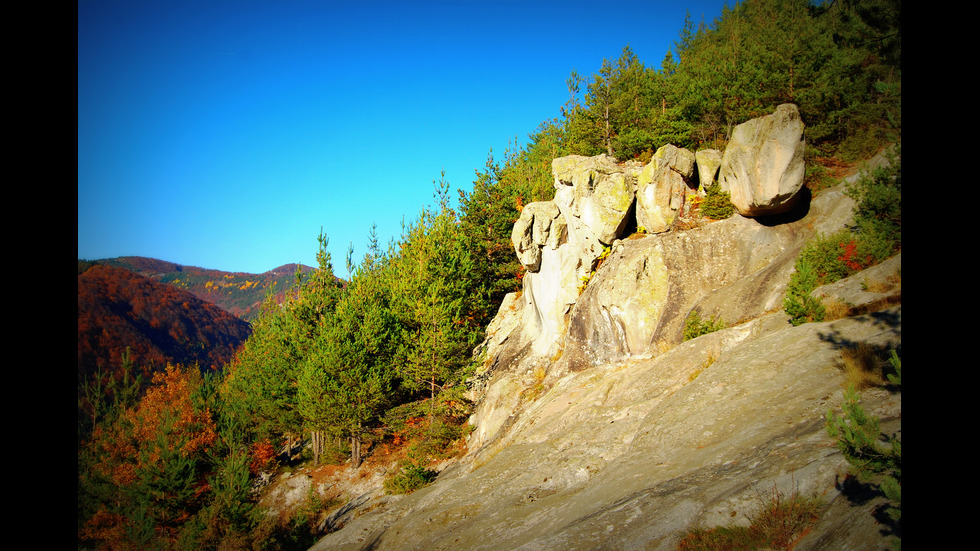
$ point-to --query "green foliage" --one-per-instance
(230, 491)
(878, 213)
(432, 431)
(874, 456)
(827, 254)
(346, 379)
(877, 235)
(859, 438)
(799, 304)
(408, 478)
(895, 378)
(694, 326)
(435, 299)
(825, 259)
(102, 397)
(839, 62)
(717, 204)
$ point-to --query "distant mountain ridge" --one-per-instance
(238, 293)
(120, 310)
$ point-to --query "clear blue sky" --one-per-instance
(226, 134)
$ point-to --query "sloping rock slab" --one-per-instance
(630, 455)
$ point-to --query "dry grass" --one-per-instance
(780, 524)
(712, 356)
(837, 309)
(863, 364)
(891, 282)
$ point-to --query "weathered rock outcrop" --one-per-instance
(598, 428)
(533, 230)
(595, 195)
(559, 241)
(597, 201)
(762, 167)
(708, 162)
(662, 188)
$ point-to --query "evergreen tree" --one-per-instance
(434, 300)
(347, 377)
(264, 376)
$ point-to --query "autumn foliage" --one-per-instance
(263, 456)
(239, 293)
(145, 469)
(119, 309)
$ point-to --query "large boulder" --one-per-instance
(762, 167)
(595, 194)
(662, 187)
(532, 231)
(708, 162)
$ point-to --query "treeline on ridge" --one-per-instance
(238, 293)
(121, 313)
(389, 353)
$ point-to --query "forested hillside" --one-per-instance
(385, 358)
(122, 313)
(238, 293)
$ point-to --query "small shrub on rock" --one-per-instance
(878, 213)
(717, 204)
(410, 477)
(781, 522)
(694, 326)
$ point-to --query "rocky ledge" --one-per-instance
(598, 427)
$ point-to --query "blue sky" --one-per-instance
(226, 134)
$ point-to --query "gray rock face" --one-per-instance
(559, 241)
(632, 454)
(595, 194)
(532, 232)
(708, 162)
(662, 188)
(762, 167)
(618, 435)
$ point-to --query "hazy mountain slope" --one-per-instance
(238, 293)
(118, 308)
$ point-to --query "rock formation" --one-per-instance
(762, 167)
(662, 188)
(597, 201)
(708, 162)
(597, 427)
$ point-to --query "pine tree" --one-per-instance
(433, 299)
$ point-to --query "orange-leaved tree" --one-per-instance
(142, 474)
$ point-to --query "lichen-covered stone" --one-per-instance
(531, 232)
(662, 187)
(762, 167)
(596, 192)
(708, 162)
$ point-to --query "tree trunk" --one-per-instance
(316, 439)
(355, 450)
(608, 136)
